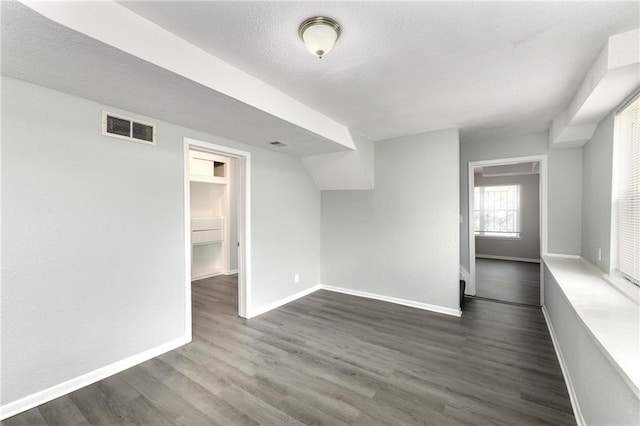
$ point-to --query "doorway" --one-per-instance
(217, 218)
(507, 229)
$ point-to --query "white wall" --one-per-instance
(603, 395)
(345, 169)
(597, 156)
(528, 245)
(93, 237)
(565, 185)
(285, 209)
(565, 201)
(400, 239)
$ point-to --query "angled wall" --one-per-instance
(399, 240)
(346, 169)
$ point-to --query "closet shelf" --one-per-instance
(207, 223)
(209, 179)
(209, 176)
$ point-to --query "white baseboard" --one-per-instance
(207, 275)
(565, 371)
(424, 306)
(515, 259)
(404, 302)
(56, 391)
(231, 272)
(273, 305)
(69, 386)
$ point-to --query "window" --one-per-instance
(627, 191)
(497, 211)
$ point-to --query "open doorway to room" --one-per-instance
(217, 228)
(505, 239)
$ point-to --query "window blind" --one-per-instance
(628, 191)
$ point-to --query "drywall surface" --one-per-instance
(565, 201)
(603, 395)
(565, 185)
(597, 157)
(93, 237)
(345, 169)
(285, 220)
(400, 239)
(528, 245)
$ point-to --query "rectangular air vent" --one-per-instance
(126, 128)
(279, 144)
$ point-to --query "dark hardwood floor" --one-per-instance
(509, 281)
(334, 359)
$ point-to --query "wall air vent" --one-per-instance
(127, 128)
(279, 144)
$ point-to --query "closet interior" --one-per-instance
(210, 201)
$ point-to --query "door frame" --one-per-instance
(243, 197)
(544, 191)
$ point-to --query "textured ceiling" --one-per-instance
(43, 52)
(407, 67)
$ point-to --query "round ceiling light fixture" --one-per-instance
(319, 34)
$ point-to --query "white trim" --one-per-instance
(464, 274)
(515, 259)
(74, 384)
(273, 305)
(542, 159)
(565, 372)
(624, 286)
(498, 237)
(358, 293)
(207, 275)
(424, 306)
(564, 256)
(231, 272)
(579, 280)
(187, 242)
(69, 386)
(483, 233)
(244, 224)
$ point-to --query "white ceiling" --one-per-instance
(408, 67)
(43, 52)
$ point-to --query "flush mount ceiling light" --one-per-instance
(319, 34)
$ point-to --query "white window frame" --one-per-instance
(490, 234)
(615, 277)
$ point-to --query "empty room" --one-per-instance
(327, 213)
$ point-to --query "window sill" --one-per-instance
(611, 317)
(625, 287)
(496, 237)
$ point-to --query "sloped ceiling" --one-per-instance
(44, 52)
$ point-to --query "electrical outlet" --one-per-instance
(296, 278)
(599, 254)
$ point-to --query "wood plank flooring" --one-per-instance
(509, 281)
(333, 359)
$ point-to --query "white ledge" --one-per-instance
(611, 318)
